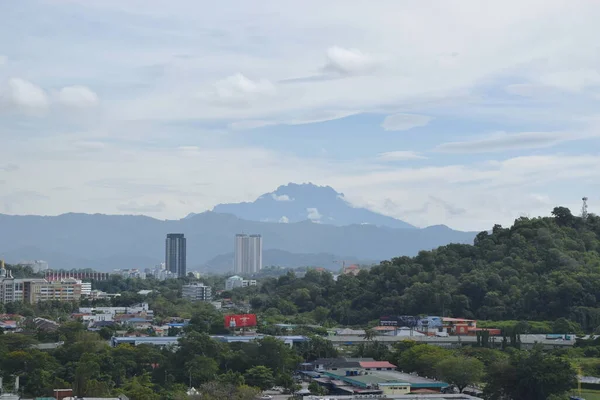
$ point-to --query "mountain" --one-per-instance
(281, 258)
(105, 242)
(299, 202)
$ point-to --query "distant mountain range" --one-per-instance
(327, 229)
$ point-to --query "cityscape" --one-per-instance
(63, 285)
(360, 358)
(309, 200)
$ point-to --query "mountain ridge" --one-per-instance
(106, 242)
(297, 202)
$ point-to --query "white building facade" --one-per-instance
(238, 282)
(196, 292)
(247, 254)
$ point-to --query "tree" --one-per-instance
(140, 388)
(201, 370)
(530, 376)
(563, 216)
(317, 347)
(218, 391)
(460, 371)
(260, 377)
(231, 378)
(370, 335)
(317, 389)
(421, 358)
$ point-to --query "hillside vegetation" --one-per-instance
(538, 269)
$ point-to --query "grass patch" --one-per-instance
(587, 394)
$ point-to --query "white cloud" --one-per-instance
(284, 220)
(404, 122)
(571, 80)
(529, 89)
(240, 89)
(309, 117)
(283, 197)
(348, 61)
(313, 214)
(319, 116)
(189, 149)
(502, 141)
(152, 74)
(9, 167)
(250, 124)
(25, 95)
(402, 155)
(90, 145)
(3, 60)
(78, 97)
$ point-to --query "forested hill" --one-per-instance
(538, 269)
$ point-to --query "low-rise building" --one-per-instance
(197, 292)
(34, 290)
(66, 290)
(361, 376)
(98, 314)
(236, 281)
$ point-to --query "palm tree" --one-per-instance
(369, 335)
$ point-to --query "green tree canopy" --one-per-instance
(530, 376)
(460, 371)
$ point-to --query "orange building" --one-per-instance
(459, 326)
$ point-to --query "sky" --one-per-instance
(465, 113)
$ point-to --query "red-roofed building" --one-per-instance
(377, 365)
(352, 270)
(459, 326)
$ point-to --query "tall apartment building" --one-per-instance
(175, 255)
(247, 254)
(196, 292)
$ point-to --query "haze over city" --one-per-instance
(464, 113)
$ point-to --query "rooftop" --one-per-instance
(376, 364)
(379, 377)
(446, 319)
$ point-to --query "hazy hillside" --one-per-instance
(117, 241)
(281, 258)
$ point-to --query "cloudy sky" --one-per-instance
(465, 112)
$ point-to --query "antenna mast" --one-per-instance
(584, 208)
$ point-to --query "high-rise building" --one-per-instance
(175, 256)
(240, 253)
(247, 254)
(254, 254)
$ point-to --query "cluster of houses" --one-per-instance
(136, 320)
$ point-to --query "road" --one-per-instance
(527, 340)
(279, 396)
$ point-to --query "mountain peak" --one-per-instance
(306, 201)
